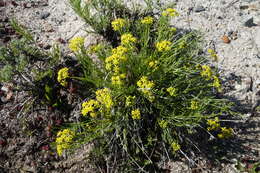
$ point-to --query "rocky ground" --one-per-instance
(230, 27)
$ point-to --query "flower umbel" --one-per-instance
(216, 83)
(76, 43)
(171, 91)
(175, 146)
(206, 72)
(128, 39)
(145, 86)
(136, 115)
(147, 20)
(89, 107)
(118, 24)
(163, 46)
(213, 124)
(194, 105)
(64, 140)
(104, 97)
(170, 12)
(225, 133)
(63, 74)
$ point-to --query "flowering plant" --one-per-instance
(148, 88)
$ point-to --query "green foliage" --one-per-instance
(149, 88)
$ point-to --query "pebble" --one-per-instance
(199, 9)
(249, 22)
(44, 15)
(27, 5)
(225, 39)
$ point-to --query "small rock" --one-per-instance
(27, 5)
(243, 7)
(199, 9)
(14, 3)
(225, 39)
(46, 46)
(44, 15)
(249, 22)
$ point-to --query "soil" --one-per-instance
(230, 27)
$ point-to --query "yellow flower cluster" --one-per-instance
(128, 39)
(113, 61)
(216, 83)
(90, 107)
(225, 133)
(206, 72)
(153, 64)
(175, 146)
(163, 124)
(118, 24)
(129, 100)
(64, 140)
(136, 115)
(63, 74)
(120, 50)
(104, 97)
(213, 124)
(170, 12)
(95, 48)
(172, 91)
(145, 85)
(76, 43)
(163, 46)
(213, 54)
(117, 80)
(194, 105)
(147, 20)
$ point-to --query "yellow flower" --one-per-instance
(136, 115)
(63, 74)
(64, 140)
(171, 91)
(163, 124)
(129, 100)
(153, 64)
(145, 83)
(95, 48)
(116, 80)
(194, 105)
(213, 54)
(120, 50)
(225, 133)
(118, 24)
(76, 43)
(170, 12)
(206, 72)
(216, 83)
(128, 39)
(175, 146)
(163, 46)
(104, 97)
(89, 107)
(147, 20)
(145, 86)
(213, 124)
